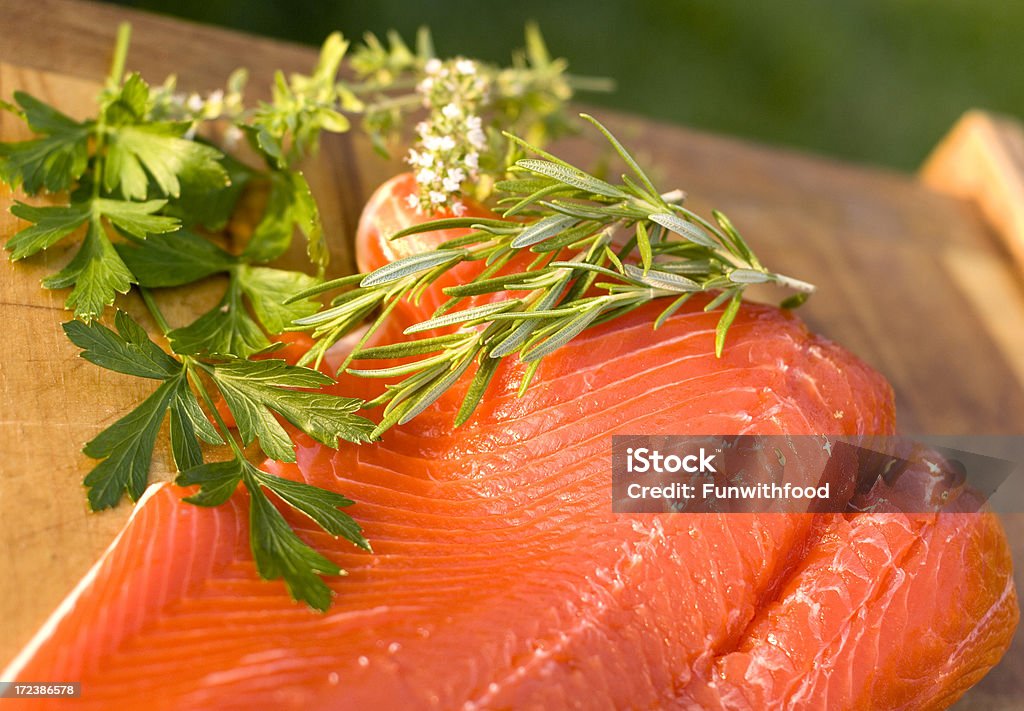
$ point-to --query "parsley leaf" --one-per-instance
(97, 273)
(54, 223)
(277, 549)
(165, 155)
(136, 218)
(280, 553)
(226, 330)
(198, 204)
(318, 504)
(267, 289)
(128, 351)
(56, 160)
(51, 224)
(187, 422)
(217, 481)
(139, 149)
(126, 448)
(175, 259)
(254, 390)
(289, 205)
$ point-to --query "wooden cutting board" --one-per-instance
(915, 274)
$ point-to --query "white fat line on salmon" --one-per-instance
(68, 603)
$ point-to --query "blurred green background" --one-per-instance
(873, 81)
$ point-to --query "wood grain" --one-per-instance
(911, 278)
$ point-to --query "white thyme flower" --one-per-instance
(194, 103)
(413, 201)
(432, 143)
(447, 153)
(232, 137)
(458, 208)
(476, 138)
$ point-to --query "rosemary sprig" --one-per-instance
(627, 240)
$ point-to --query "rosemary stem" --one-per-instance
(795, 284)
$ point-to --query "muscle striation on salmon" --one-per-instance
(501, 579)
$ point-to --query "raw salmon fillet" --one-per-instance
(501, 579)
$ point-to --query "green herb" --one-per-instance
(140, 188)
(458, 146)
(142, 193)
(254, 390)
(569, 220)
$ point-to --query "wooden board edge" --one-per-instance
(981, 160)
(76, 38)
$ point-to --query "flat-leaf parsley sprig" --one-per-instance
(600, 251)
(255, 392)
(147, 194)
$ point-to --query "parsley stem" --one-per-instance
(154, 310)
(197, 383)
(117, 64)
(190, 369)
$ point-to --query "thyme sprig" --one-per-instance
(464, 104)
(599, 250)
